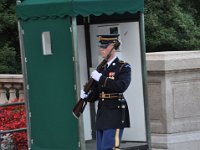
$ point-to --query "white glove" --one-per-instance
(83, 95)
(96, 75)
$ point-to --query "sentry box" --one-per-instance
(59, 49)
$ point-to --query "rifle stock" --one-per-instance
(79, 108)
(80, 105)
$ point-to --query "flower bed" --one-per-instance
(13, 117)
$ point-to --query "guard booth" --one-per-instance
(59, 48)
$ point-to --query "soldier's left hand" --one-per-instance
(96, 75)
(83, 95)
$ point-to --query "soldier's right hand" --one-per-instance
(83, 95)
(96, 75)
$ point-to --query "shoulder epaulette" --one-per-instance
(123, 64)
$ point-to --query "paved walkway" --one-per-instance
(91, 145)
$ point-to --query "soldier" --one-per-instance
(112, 114)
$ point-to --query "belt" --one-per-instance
(111, 95)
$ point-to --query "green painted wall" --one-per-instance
(51, 85)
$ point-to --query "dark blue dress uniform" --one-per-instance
(115, 79)
(112, 110)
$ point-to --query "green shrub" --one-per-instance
(171, 25)
(10, 61)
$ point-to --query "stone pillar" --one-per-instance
(174, 99)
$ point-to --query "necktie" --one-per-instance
(106, 67)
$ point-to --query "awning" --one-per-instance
(43, 9)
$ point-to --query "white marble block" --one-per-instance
(174, 99)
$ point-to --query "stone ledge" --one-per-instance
(173, 60)
(176, 137)
(17, 78)
(164, 141)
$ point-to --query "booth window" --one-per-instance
(114, 30)
(46, 43)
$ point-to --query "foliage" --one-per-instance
(7, 57)
(13, 117)
(169, 24)
(172, 25)
(9, 42)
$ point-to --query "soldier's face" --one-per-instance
(105, 51)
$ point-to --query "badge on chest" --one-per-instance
(111, 75)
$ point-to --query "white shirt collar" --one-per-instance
(108, 63)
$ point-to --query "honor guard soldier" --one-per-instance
(112, 114)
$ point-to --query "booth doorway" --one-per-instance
(129, 51)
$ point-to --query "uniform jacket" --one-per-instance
(115, 79)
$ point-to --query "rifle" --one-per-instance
(80, 105)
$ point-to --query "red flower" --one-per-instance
(14, 117)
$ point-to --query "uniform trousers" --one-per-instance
(108, 139)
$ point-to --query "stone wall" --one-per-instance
(174, 99)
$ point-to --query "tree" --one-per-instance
(9, 42)
(169, 25)
(172, 25)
